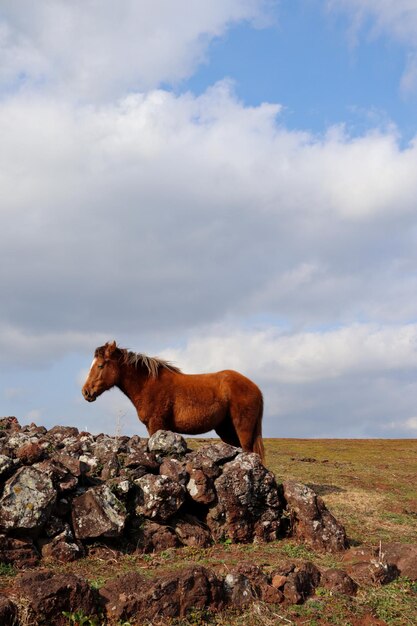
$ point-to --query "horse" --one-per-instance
(167, 399)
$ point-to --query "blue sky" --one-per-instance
(306, 61)
(225, 184)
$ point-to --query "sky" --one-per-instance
(226, 184)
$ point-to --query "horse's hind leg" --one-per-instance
(227, 432)
(246, 422)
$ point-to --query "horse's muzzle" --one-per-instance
(90, 397)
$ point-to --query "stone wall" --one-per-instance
(63, 490)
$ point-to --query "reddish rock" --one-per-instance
(278, 581)
(98, 513)
(310, 519)
(301, 583)
(142, 458)
(153, 537)
(238, 591)
(383, 564)
(339, 581)
(70, 463)
(21, 553)
(210, 458)
(262, 587)
(10, 424)
(175, 469)
(30, 453)
(59, 433)
(200, 488)
(111, 467)
(47, 595)
(61, 477)
(62, 547)
(130, 597)
(402, 556)
(192, 532)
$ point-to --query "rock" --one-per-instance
(111, 467)
(142, 458)
(98, 513)
(48, 595)
(402, 556)
(7, 466)
(119, 596)
(238, 591)
(383, 564)
(191, 532)
(210, 458)
(301, 583)
(30, 453)
(165, 443)
(200, 488)
(130, 597)
(27, 501)
(261, 584)
(54, 526)
(8, 612)
(70, 463)
(278, 581)
(310, 519)
(175, 469)
(153, 537)
(62, 478)
(21, 553)
(60, 433)
(158, 497)
(9, 424)
(339, 581)
(246, 490)
(62, 548)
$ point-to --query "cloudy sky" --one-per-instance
(227, 184)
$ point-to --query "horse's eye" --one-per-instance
(100, 367)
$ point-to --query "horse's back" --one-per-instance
(225, 381)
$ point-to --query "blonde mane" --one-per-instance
(152, 363)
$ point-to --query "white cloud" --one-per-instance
(395, 18)
(304, 357)
(121, 219)
(407, 427)
(100, 48)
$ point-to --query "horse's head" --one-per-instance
(104, 371)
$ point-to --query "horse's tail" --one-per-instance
(258, 444)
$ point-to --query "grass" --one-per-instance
(370, 487)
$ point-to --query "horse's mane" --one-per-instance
(152, 363)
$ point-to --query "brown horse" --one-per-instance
(192, 404)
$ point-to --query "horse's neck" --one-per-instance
(132, 382)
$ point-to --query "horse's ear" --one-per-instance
(110, 348)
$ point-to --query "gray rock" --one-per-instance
(6, 466)
(311, 521)
(249, 503)
(165, 443)
(27, 501)
(158, 497)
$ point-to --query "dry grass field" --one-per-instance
(369, 485)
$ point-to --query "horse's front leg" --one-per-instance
(156, 423)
